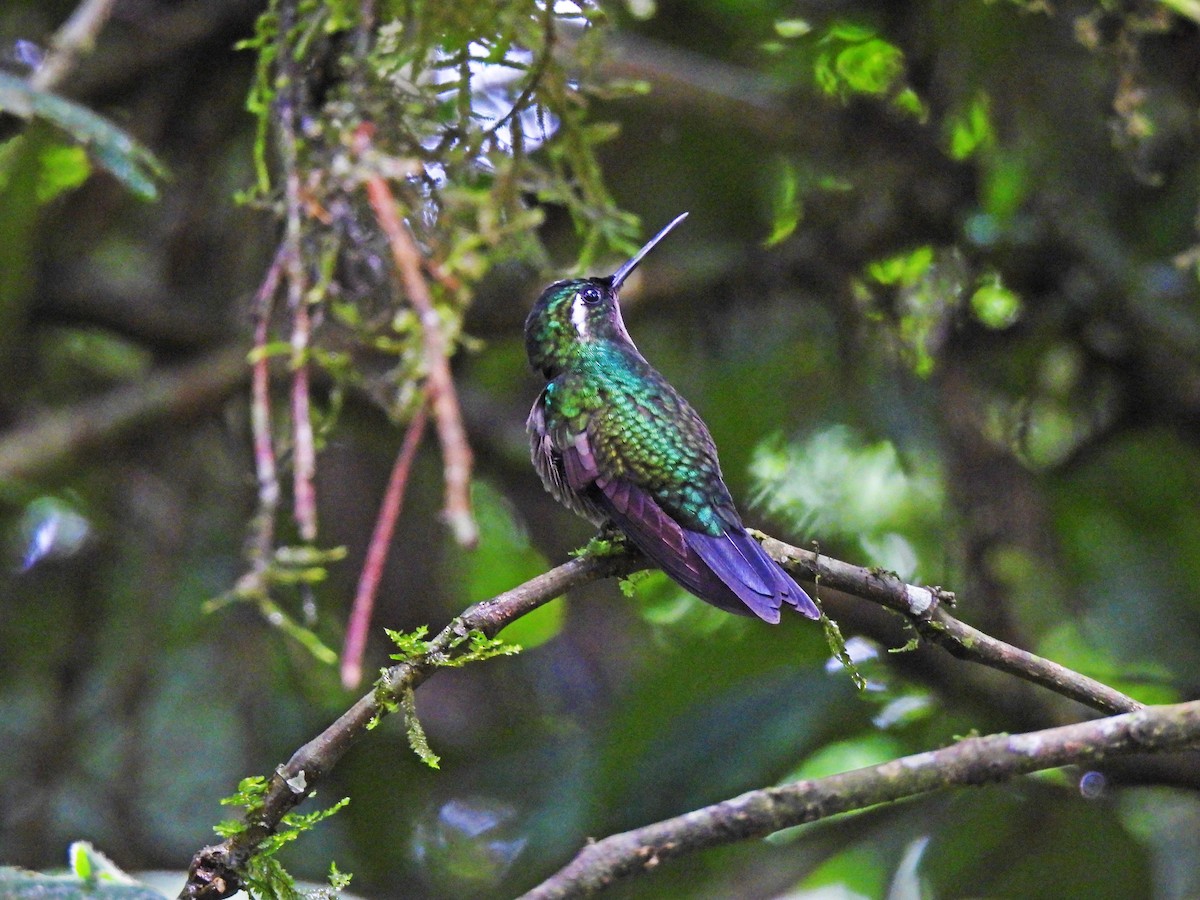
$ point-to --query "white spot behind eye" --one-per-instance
(579, 315)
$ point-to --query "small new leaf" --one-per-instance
(338, 880)
(410, 644)
(480, 647)
(629, 583)
(911, 644)
(604, 544)
(249, 794)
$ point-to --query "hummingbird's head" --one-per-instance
(571, 315)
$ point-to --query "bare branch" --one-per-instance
(971, 762)
(76, 37)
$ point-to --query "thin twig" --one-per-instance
(304, 453)
(535, 74)
(456, 452)
(76, 37)
(265, 467)
(381, 540)
(974, 761)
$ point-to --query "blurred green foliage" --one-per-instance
(131, 163)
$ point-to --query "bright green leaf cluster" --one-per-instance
(903, 269)
(250, 793)
(474, 646)
(971, 130)
(926, 287)
(994, 305)
(855, 61)
(838, 486)
(414, 649)
(265, 876)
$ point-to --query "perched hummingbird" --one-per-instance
(615, 443)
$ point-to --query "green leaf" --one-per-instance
(870, 749)
(838, 486)
(1006, 184)
(268, 350)
(62, 169)
(994, 305)
(339, 880)
(903, 269)
(1189, 9)
(503, 558)
(787, 205)
(81, 861)
(971, 130)
(855, 871)
(849, 32)
(250, 791)
(131, 163)
(872, 67)
(91, 865)
(92, 875)
(306, 637)
(909, 101)
(792, 28)
(536, 628)
(410, 644)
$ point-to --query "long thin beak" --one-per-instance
(622, 273)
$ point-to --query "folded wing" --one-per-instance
(729, 570)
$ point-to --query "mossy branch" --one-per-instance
(216, 871)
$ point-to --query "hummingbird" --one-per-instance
(616, 444)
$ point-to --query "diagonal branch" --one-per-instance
(76, 37)
(214, 871)
(974, 761)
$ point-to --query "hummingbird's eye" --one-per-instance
(591, 295)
